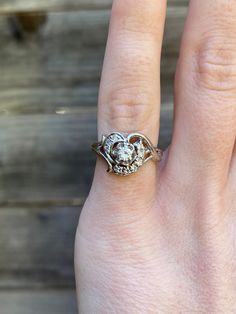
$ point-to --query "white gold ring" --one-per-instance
(125, 154)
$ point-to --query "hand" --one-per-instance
(163, 240)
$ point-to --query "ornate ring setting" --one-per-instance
(125, 154)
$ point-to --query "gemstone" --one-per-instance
(139, 162)
(110, 140)
(124, 153)
(140, 148)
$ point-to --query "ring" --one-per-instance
(125, 154)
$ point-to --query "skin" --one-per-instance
(164, 239)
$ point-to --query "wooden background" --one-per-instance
(49, 77)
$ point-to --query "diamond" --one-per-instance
(139, 162)
(117, 169)
(140, 148)
(124, 153)
(111, 139)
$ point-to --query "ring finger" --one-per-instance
(129, 99)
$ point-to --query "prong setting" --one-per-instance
(125, 154)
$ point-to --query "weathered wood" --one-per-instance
(7, 7)
(37, 247)
(41, 159)
(45, 158)
(61, 68)
(48, 92)
(38, 302)
(62, 5)
(48, 157)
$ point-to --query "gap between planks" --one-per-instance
(77, 202)
(38, 302)
(10, 7)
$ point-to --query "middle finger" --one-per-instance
(205, 111)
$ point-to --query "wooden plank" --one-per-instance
(48, 92)
(57, 76)
(38, 302)
(61, 68)
(48, 157)
(7, 6)
(46, 100)
(37, 247)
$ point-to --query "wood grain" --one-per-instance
(61, 67)
(7, 7)
(45, 158)
(38, 302)
(37, 247)
(48, 92)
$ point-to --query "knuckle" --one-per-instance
(128, 107)
(130, 93)
(216, 64)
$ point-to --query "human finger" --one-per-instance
(205, 93)
(129, 98)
